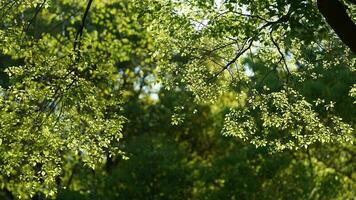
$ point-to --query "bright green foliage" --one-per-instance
(161, 80)
(280, 54)
(353, 92)
(284, 120)
(62, 101)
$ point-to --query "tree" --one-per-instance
(62, 101)
(170, 76)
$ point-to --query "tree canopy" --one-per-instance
(167, 99)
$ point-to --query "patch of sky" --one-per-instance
(248, 70)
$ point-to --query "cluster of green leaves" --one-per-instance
(171, 76)
(279, 56)
(63, 98)
(284, 120)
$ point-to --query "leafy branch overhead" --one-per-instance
(266, 49)
(84, 84)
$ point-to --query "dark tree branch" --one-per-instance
(240, 53)
(281, 54)
(59, 93)
(79, 33)
(336, 16)
(38, 10)
(284, 18)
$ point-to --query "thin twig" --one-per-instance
(237, 56)
(79, 33)
(281, 54)
(38, 10)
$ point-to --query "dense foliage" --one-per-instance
(165, 99)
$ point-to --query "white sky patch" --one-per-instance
(200, 25)
(248, 71)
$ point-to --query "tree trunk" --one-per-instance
(336, 16)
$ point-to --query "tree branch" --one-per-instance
(79, 33)
(38, 10)
(240, 53)
(281, 54)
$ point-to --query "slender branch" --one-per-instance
(38, 10)
(221, 47)
(237, 56)
(57, 97)
(79, 33)
(283, 19)
(217, 63)
(281, 53)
